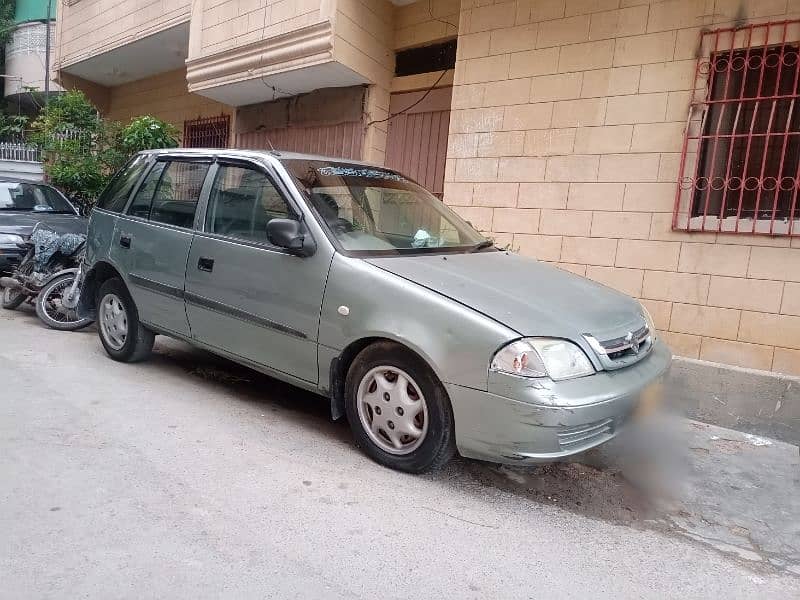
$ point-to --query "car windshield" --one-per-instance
(20, 196)
(374, 211)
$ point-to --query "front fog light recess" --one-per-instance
(540, 357)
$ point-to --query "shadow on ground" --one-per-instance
(732, 492)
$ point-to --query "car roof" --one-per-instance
(6, 179)
(258, 154)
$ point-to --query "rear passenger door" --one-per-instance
(152, 241)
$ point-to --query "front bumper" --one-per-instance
(523, 421)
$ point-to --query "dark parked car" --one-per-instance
(24, 204)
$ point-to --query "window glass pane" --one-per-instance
(370, 209)
(115, 195)
(177, 193)
(140, 207)
(242, 202)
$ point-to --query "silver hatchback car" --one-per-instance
(354, 282)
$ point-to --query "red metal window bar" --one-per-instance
(740, 163)
(209, 132)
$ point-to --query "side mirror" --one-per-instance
(292, 235)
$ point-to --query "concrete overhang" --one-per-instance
(286, 65)
(166, 50)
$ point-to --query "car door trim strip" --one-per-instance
(242, 315)
(155, 286)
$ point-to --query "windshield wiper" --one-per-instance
(481, 246)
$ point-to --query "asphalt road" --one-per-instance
(189, 477)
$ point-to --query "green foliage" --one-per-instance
(82, 150)
(7, 23)
(147, 133)
(74, 143)
(12, 127)
(70, 111)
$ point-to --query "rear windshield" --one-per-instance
(32, 197)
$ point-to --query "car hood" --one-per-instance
(22, 223)
(527, 296)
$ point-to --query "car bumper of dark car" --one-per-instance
(527, 421)
(9, 259)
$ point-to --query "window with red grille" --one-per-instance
(211, 132)
(739, 167)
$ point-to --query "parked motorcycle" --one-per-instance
(50, 275)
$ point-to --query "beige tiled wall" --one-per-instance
(87, 27)
(364, 31)
(425, 21)
(565, 143)
(230, 23)
(163, 96)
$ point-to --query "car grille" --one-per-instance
(583, 435)
(622, 351)
(622, 346)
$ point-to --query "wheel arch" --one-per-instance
(100, 272)
(340, 365)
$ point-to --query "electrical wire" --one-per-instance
(408, 108)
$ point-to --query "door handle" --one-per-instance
(125, 240)
(205, 264)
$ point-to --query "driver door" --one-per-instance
(244, 295)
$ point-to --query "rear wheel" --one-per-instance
(51, 310)
(122, 335)
(398, 409)
(12, 298)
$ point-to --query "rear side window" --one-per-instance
(115, 195)
(242, 202)
(140, 207)
(177, 193)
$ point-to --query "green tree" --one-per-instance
(146, 133)
(76, 146)
(81, 150)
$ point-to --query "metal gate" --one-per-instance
(417, 137)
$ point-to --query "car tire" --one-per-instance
(375, 397)
(132, 342)
(12, 298)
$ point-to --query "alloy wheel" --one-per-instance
(113, 321)
(392, 410)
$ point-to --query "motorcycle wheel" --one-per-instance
(12, 298)
(50, 310)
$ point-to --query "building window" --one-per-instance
(211, 132)
(426, 59)
(740, 167)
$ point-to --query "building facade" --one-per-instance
(25, 53)
(649, 145)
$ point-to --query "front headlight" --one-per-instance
(10, 239)
(649, 320)
(542, 357)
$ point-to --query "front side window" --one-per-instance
(114, 197)
(376, 211)
(177, 193)
(20, 196)
(242, 202)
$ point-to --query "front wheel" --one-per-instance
(51, 310)
(12, 298)
(398, 409)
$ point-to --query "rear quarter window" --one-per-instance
(115, 196)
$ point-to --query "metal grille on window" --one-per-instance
(740, 164)
(210, 132)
